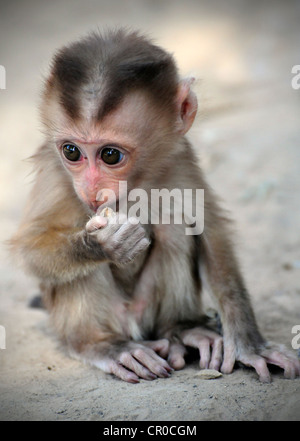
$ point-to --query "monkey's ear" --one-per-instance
(187, 105)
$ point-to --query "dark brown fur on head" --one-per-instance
(108, 66)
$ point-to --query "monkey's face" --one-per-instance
(99, 154)
(131, 143)
(94, 168)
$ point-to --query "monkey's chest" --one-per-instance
(160, 296)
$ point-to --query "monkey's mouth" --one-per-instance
(95, 205)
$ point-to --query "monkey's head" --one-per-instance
(114, 107)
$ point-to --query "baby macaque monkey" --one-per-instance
(125, 295)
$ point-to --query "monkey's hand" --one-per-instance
(270, 353)
(131, 361)
(117, 238)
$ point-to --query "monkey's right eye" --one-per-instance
(71, 152)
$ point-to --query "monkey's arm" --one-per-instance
(60, 254)
(56, 254)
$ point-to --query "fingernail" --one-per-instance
(165, 373)
(152, 376)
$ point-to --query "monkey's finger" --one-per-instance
(228, 360)
(95, 223)
(263, 372)
(297, 363)
(290, 370)
(290, 365)
(119, 371)
(158, 359)
(139, 242)
(217, 354)
(131, 363)
(152, 361)
(138, 248)
(192, 337)
(176, 356)
(130, 238)
(142, 244)
(127, 231)
(161, 347)
(260, 365)
(204, 351)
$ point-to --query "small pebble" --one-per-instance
(208, 374)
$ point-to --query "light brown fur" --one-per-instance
(125, 297)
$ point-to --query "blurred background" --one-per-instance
(247, 132)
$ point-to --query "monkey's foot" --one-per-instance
(209, 344)
(273, 354)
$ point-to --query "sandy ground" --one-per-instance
(248, 139)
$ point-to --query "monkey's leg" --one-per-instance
(90, 317)
(144, 290)
(242, 339)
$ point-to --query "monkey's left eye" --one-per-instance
(111, 155)
(71, 152)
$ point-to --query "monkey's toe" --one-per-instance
(176, 356)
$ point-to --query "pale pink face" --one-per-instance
(130, 138)
(99, 156)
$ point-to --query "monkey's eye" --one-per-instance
(71, 152)
(111, 155)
